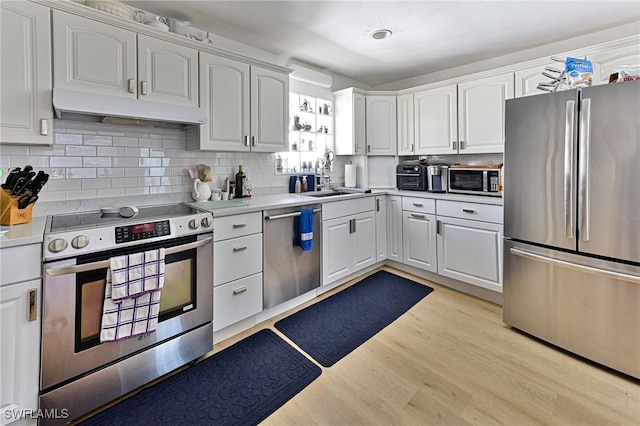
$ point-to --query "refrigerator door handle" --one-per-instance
(588, 269)
(568, 169)
(585, 142)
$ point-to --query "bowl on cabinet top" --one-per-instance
(113, 7)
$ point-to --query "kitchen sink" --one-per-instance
(324, 193)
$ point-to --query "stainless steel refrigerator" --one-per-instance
(572, 221)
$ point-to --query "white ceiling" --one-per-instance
(428, 36)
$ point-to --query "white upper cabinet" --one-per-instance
(167, 72)
(405, 126)
(95, 57)
(436, 121)
(26, 115)
(381, 133)
(246, 106)
(527, 79)
(481, 113)
(350, 127)
(605, 62)
(269, 110)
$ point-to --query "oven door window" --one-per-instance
(470, 181)
(178, 296)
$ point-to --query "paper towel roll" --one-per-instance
(350, 175)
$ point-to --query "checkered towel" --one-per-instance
(136, 281)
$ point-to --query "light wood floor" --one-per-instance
(451, 360)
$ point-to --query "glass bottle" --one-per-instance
(239, 183)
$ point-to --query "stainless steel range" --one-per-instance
(79, 373)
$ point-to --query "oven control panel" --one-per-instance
(142, 231)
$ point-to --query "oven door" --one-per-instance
(410, 181)
(73, 297)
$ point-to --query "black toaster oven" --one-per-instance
(411, 177)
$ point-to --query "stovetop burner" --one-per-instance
(96, 219)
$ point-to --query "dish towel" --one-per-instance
(306, 229)
(132, 295)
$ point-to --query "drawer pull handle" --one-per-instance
(418, 205)
(468, 210)
(419, 216)
(237, 249)
(239, 225)
(33, 305)
(131, 85)
(44, 127)
(239, 291)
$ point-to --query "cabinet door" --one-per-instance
(527, 79)
(20, 350)
(419, 240)
(471, 251)
(436, 123)
(167, 72)
(336, 249)
(380, 120)
(93, 56)
(363, 240)
(359, 114)
(481, 107)
(394, 228)
(405, 124)
(269, 110)
(26, 116)
(224, 93)
(381, 228)
(605, 63)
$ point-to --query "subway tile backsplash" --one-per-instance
(93, 162)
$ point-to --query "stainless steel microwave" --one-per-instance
(483, 180)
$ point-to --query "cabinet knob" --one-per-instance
(246, 140)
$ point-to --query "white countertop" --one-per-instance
(32, 232)
(23, 234)
(266, 202)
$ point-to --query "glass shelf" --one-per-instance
(306, 147)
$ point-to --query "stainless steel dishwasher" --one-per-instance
(289, 271)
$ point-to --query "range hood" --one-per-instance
(112, 109)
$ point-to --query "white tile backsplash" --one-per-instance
(93, 165)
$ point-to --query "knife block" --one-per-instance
(10, 214)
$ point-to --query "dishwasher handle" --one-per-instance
(283, 216)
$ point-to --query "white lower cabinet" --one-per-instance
(470, 243)
(419, 240)
(236, 300)
(237, 268)
(20, 316)
(381, 228)
(419, 233)
(394, 228)
(348, 238)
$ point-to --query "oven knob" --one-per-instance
(80, 241)
(57, 245)
(193, 224)
(205, 222)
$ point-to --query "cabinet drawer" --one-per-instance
(471, 211)
(236, 226)
(420, 205)
(237, 300)
(20, 263)
(237, 258)
(347, 207)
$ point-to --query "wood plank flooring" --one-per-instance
(451, 360)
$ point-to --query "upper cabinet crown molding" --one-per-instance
(139, 28)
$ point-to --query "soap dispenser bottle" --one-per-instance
(304, 185)
(298, 186)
